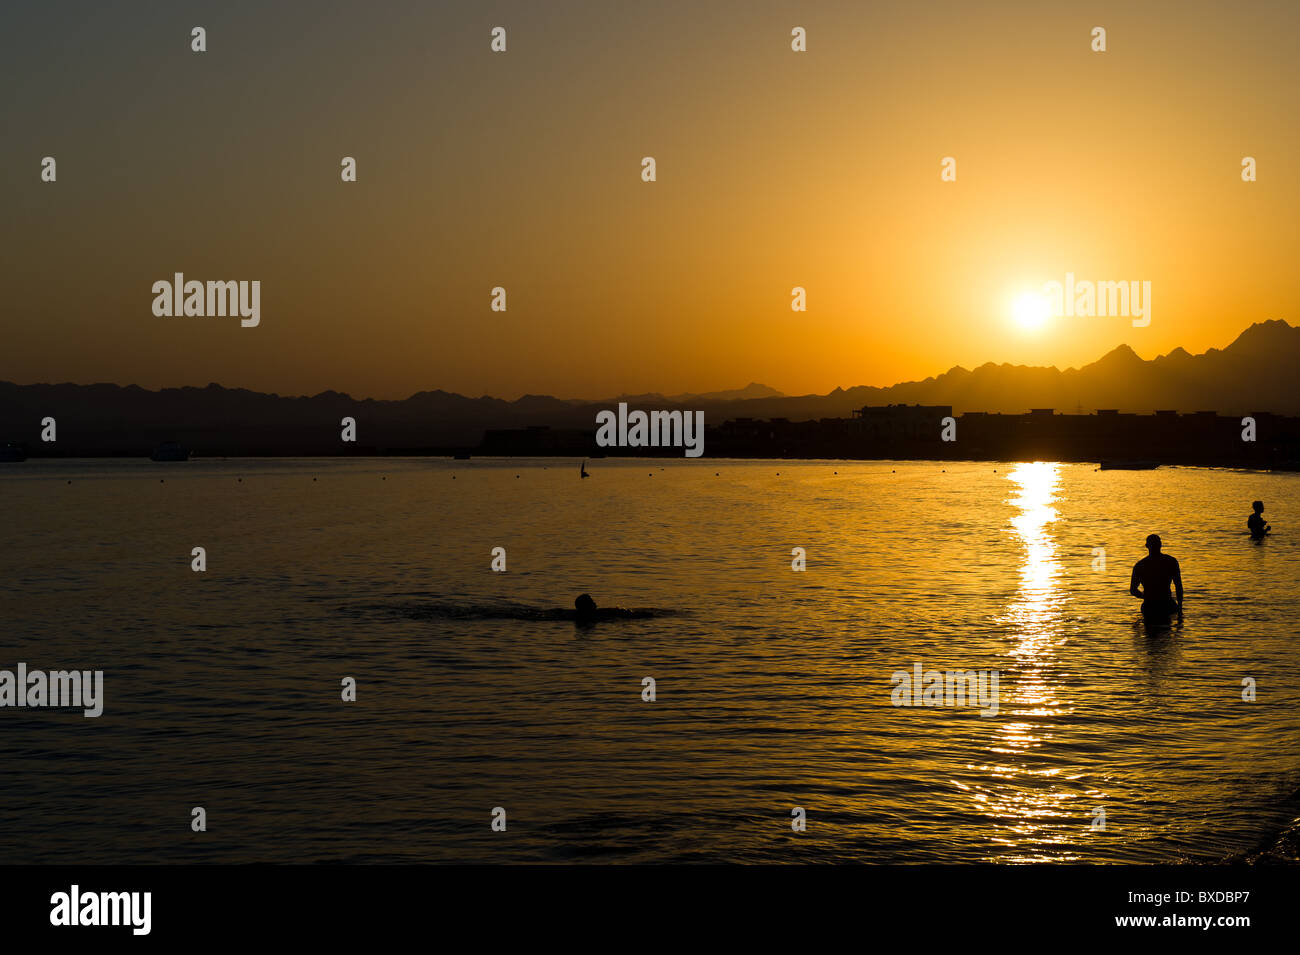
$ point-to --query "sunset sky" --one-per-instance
(775, 169)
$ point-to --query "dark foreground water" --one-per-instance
(773, 687)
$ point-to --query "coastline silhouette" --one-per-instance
(124, 419)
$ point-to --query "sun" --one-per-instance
(1031, 311)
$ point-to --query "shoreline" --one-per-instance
(399, 454)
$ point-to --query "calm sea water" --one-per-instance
(222, 689)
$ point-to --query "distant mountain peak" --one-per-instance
(750, 391)
(1265, 336)
(1124, 351)
(1255, 373)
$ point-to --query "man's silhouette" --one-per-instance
(1258, 528)
(1155, 572)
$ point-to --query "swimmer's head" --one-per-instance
(584, 604)
(1258, 506)
(1153, 543)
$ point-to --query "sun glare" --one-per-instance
(1031, 311)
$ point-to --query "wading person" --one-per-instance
(1256, 523)
(1152, 576)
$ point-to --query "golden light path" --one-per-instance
(1030, 808)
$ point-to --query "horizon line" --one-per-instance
(1123, 346)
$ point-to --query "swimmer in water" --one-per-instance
(1258, 528)
(586, 611)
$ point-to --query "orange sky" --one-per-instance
(775, 169)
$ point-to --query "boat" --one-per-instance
(462, 456)
(1129, 465)
(13, 453)
(170, 451)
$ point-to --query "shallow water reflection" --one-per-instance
(1031, 805)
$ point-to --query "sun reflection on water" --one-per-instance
(1038, 598)
(1031, 802)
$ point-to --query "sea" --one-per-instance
(377, 662)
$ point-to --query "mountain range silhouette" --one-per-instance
(1256, 373)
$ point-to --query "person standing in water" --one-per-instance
(1155, 572)
(1258, 528)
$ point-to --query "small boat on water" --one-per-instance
(1129, 465)
(170, 451)
(462, 456)
(13, 453)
